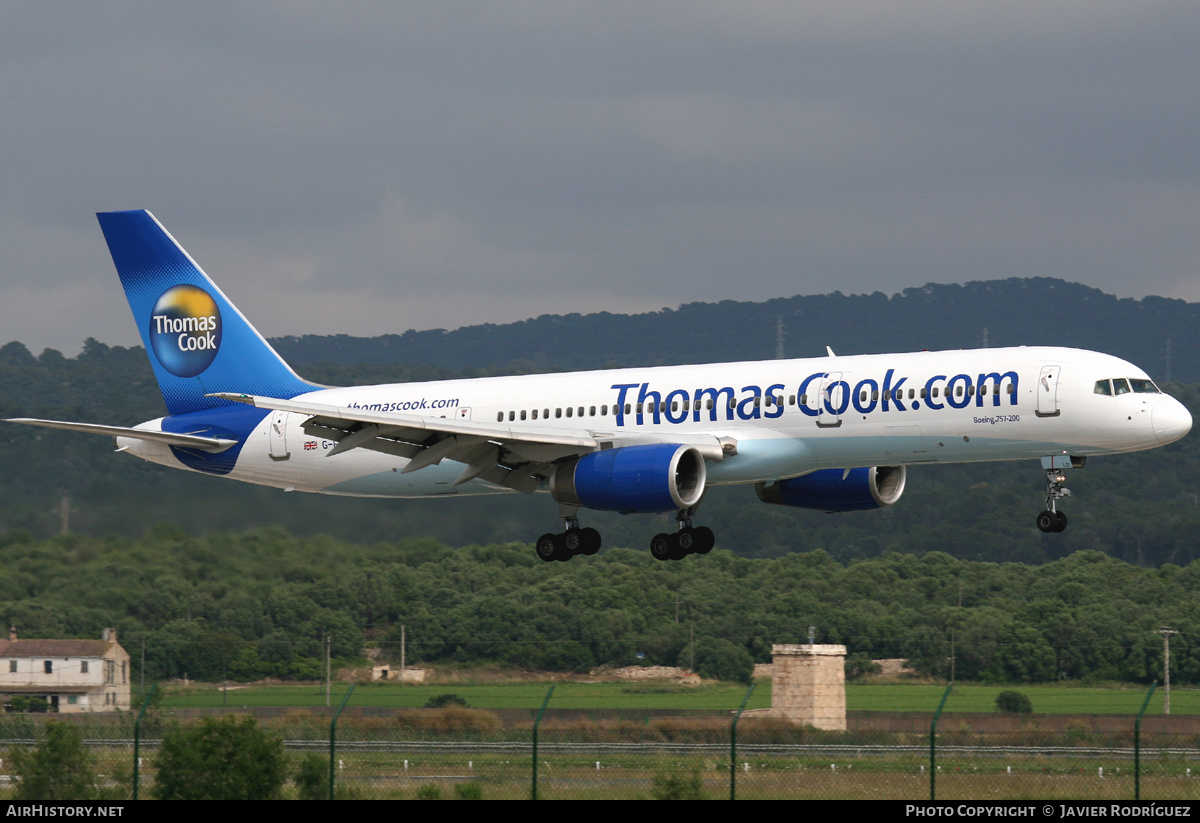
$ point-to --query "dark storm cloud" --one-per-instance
(370, 167)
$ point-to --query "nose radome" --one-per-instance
(1171, 420)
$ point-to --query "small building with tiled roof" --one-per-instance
(71, 675)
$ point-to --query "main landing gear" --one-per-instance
(569, 543)
(573, 540)
(688, 540)
(1052, 520)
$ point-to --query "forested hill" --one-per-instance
(1156, 333)
(258, 604)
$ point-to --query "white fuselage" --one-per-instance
(787, 417)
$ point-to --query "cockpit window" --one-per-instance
(1121, 385)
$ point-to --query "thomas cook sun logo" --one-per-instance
(185, 330)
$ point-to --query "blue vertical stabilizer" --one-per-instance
(197, 341)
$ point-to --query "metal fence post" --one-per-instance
(733, 744)
(137, 740)
(333, 737)
(537, 722)
(1137, 745)
(933, 745)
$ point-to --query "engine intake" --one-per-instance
(827, 490)
(658, 477)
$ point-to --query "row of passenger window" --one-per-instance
(1121, 385)
(570, 411)
(769, 400)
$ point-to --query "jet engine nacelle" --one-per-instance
(833, 490)
(658, 477)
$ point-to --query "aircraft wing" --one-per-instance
(190, 441)
(517, 458)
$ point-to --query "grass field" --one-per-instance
(604, 777)
(724, 697)
(608, 775)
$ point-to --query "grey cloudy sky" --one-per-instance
(365, 168)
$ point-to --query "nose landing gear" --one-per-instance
(1052, 520)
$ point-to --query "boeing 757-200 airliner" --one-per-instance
(830, 433)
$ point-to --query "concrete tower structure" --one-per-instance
(808, 686)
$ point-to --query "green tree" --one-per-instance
(443, 700)
(468, 791)
(859, 665)
(57, 768)
(220, 759)
(687, 786)
(312, 777)
(719, 659)
(1011, 701)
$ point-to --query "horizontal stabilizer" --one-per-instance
(191, 441)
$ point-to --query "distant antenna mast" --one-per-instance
(985, 337)
(1166, 632)
(1168, 377)
(778, 338)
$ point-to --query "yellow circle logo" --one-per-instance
(185, 330)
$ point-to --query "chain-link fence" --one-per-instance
(463, 753)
